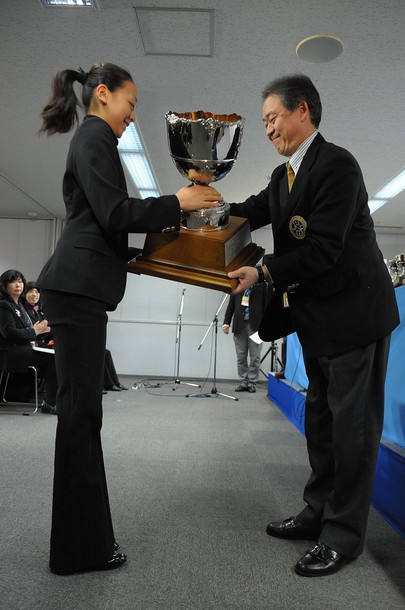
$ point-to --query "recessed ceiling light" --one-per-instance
(319, 48)
(70, 3)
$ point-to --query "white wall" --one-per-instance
(25, 245)
(142, 331)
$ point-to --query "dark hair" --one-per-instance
(60, 113)
(31, 286)
(10, 276)
(294, 89)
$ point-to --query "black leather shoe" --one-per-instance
(122, 387)
(321, 560)
(47, 408)
(291, 529)
(241, 388)
(114, 388)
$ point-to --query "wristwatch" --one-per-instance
(260, 271)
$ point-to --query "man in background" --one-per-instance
(245, 311)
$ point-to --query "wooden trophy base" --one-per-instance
(201, 258)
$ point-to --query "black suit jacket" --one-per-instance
(235, 311)
(15, 338)
(325, 255)
(92, 253)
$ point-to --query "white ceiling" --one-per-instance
(363, 91)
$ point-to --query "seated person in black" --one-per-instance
(31, 303)
(111, 381)
(18, 335)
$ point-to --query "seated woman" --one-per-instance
(30, 301)
(18, 335)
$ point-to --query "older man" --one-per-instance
(332, 287)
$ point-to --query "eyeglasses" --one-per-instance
(270, 121)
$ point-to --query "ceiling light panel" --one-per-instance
(70, 3)
(176, 31)
(392, 188)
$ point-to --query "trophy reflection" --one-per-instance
(204, 147)
(210, 243)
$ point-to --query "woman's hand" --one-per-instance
(196, 197)
(41, 327)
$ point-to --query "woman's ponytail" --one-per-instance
(60, 113)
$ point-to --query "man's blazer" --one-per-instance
(235, 311)
(326, 259)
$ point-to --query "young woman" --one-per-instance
(17, 334)
(85, 277)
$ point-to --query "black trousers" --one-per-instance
(343, 423)
(82, 534)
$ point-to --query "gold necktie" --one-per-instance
(290, 176)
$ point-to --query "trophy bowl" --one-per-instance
(204, 147)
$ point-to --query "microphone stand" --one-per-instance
(178, 339)
(214, 392)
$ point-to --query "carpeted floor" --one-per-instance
(193, 483)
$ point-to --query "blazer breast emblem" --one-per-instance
(298, 226)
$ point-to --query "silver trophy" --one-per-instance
(204, 147)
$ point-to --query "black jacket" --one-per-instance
(92, 253)
(235, 311)
(15, 338)
(325, 255)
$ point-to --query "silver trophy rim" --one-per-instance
(214, 161)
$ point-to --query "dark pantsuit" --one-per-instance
(343, 425)
(82, 533)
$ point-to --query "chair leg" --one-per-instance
(36, 387)
(5, 385)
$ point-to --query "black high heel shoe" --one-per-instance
(116, 561)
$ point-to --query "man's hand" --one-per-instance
(246, 276)
(225, 328)
(196, 197)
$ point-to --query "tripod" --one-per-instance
(214, 392)
(177, 381)
(275, 360)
